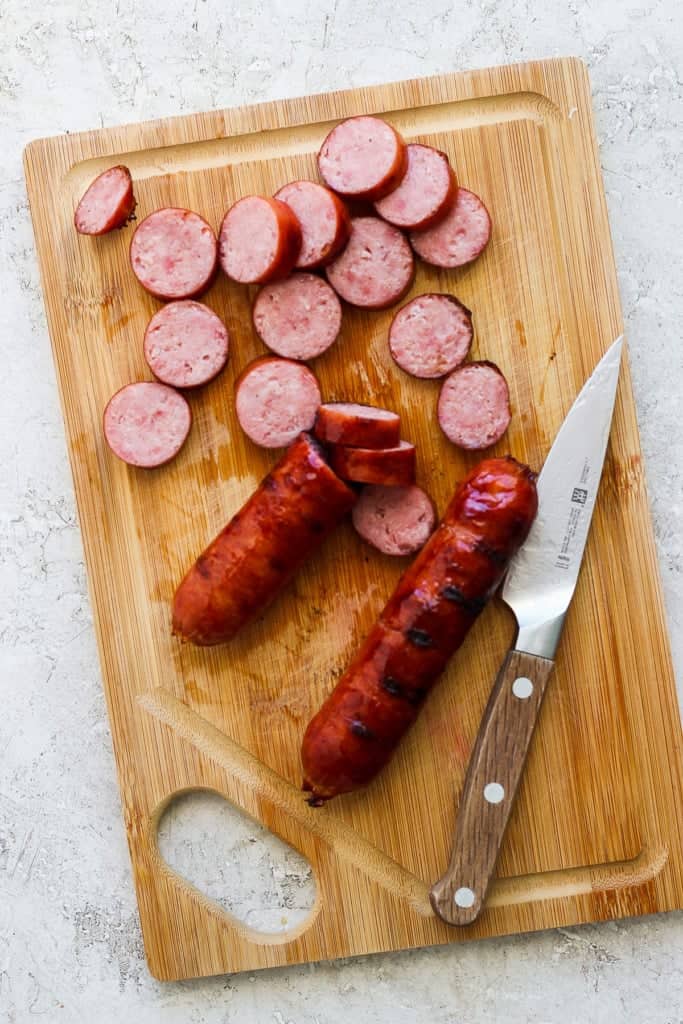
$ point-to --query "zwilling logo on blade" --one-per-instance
(579, 496)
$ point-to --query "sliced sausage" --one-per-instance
(361, 426)
(431, 335)
(107, 203)
(376, 268)
(363, 158)
(433, 607)
(275, 399)
(426, 193)
(260, 240)
(186, 344)
(395, 520)
(457, 239)
(173, 254)
(297, 505)
(324, 220)
(474, 406)
(391, 467)
(146, 423)
(298, 318)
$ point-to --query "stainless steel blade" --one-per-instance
(542, 578)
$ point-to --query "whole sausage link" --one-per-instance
(296, 506)
(427, 618)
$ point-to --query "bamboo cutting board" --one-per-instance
(596, 832)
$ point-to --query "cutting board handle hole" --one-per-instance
(257, 878)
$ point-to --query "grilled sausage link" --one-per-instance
(296, 506)
(426, 619)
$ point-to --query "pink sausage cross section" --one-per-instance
(376, 268)
(276, 399)
(426, 193)
(146, 423)
(395, 520)
(431, 335)
(457, 239)
(173, 254)
(298, 318)
(474, 406)
(186, 344)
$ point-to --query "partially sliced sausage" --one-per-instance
(457, 239)
(298, 318)
(431, 335)
(359, 726)
(391, 467)
(474, 406)
(275, 400)
(173, 254)
(363, 158)
(361, 426)
(324, 220)
(107, 203)
(260, 240)
(146, 423)
(426, 192)
(395, 520)
(250, 561)
(376, 268)
(186, 344)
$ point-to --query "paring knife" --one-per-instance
(538, 588)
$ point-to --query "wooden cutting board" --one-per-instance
(596, 832)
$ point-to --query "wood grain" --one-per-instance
(488, 795)
(596, 830)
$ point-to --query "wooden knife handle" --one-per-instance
(490, 788)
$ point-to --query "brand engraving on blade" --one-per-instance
(579, 499)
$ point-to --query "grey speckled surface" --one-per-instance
(70, 948)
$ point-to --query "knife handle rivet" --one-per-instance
(464, 897)
(522, 688)
(494, 793)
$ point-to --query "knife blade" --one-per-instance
(538, 588)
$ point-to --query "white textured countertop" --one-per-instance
(70, 947)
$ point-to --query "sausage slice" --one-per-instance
(107, 203)
(460, 237)
(474, 406)
(173, 254)
(395, 520)
(431, 335)
(298, 318)
(363, 158)
(260, 240)
(275, 399)
(391, 467)
(324, 220)
(376, 268)
(146, 424)
(186, 344)
(426, 193)
(361, 426)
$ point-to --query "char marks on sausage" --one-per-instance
(420, 629)
(250, 561)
